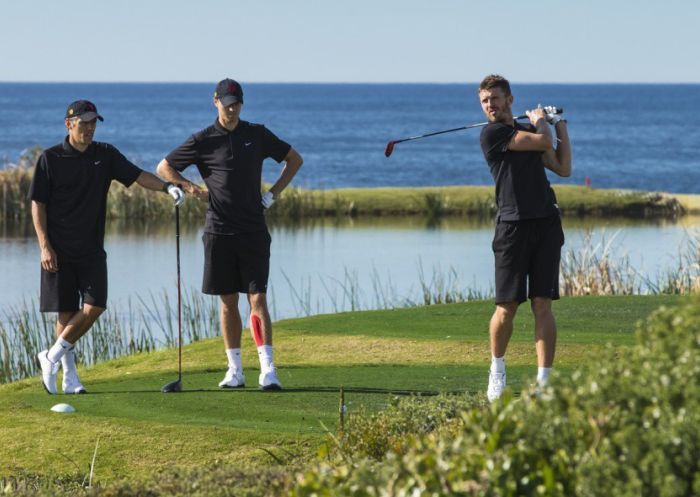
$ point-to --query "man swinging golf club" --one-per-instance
(528, 239)
(69, 200)
(229, 155)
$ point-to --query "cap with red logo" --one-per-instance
(84, 109)
(228, 92)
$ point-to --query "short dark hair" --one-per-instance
(495, 81)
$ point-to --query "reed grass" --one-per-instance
(296, 204)
(148, 323)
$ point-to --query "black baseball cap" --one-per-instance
(84, 109)
(229, 92)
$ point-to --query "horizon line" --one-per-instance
(358, 82)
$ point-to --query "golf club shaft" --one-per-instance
(477, 125)
(390, 145)
(179, 297)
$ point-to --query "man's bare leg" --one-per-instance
(500, 331)
(231, 329)
(261, 327)
(545, 336)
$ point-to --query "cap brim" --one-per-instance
(90, 116)
(229, 100)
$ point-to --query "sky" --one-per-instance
(443, 41)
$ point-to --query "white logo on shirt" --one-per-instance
(246, 144)
(97, 162)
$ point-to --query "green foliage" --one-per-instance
(210, 481)
(296, 204)
(628, 427)
(373, 434)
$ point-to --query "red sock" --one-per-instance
(256, 326)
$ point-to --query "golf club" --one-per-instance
(176, 386)
(390, 145)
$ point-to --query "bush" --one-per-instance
(374, 434)
(628, 427)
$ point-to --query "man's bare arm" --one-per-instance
(49, 261)
(169, 173)
(293, 162)
(539, 141)
(559, 160)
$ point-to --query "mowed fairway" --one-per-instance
(442, 348)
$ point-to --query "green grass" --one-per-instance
(297, 204)
(371, 354)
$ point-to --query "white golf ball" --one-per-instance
(63, 408)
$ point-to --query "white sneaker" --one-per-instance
(268, 379)
(71, 383)
(497, 382)
(49, 371)
(234, 379)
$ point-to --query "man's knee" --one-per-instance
(257, 301)
(229, 302)
(541, 306)
(92, 311)
(505, 312)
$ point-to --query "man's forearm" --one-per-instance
(40, 224)
(150, 181)
(292, 165)
(169, 173)
(563, 152)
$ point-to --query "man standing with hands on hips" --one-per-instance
(69, 202)
(229, 155)
(528, 239)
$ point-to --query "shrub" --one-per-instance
(629, 426)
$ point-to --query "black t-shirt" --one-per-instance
(522, 187)
(230, 163)
(73, 185)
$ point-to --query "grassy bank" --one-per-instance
(372, 354)
(430, 202)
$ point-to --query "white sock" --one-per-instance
(234, 359)
(542, 376)
(58, 349)
(68, 361)
(498, 364)
(265, 356)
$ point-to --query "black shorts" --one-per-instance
(236, 263)
(527, 255)
(74, 284)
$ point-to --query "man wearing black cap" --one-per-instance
(69, 199)
(229, 155)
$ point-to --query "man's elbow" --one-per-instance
(565, 170)
(162, 167)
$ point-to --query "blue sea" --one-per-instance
(624, 136)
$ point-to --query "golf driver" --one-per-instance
(390, 145)
(176, 386)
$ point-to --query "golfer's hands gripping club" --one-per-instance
(177, 194)
(553, 115)
(535, 115)
(268, 199)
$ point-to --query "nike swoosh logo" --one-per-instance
(246, 144)
(97, 163)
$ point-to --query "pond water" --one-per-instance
(332, 265)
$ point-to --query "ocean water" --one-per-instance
(624, 136)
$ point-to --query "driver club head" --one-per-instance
(389, 149)
(172, 387)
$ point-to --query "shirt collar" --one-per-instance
(225, 131)
(72, 151)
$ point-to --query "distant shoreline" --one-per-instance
(430, 202)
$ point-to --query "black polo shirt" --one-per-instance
(230, 163)
(522, 188)
(73, 185)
